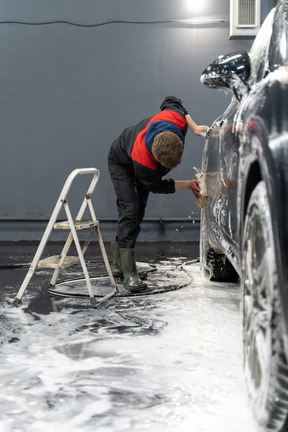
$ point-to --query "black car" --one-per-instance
(244, 225)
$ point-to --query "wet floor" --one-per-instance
(168, 361)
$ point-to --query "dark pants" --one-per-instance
(131, 202)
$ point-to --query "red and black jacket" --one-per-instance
(133, 147)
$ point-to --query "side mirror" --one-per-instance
(231, 71)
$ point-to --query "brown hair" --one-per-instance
(167, 148)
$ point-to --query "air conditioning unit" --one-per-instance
(244, 18)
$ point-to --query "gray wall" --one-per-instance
(67, 91)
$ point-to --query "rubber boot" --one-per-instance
(132, 281)
(116, 261)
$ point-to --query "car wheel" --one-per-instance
(214, 266)
(265, 365)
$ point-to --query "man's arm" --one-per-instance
(193, 185)
(198, 130)
(175, 104)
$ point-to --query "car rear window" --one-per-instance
(259, 51)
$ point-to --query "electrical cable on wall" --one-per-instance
(103, 23)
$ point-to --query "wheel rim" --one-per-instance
(258, 280)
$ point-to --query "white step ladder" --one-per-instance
(61, 261)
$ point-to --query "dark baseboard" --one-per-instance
(153, 230)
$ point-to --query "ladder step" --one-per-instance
(79, 225)
(53, 262)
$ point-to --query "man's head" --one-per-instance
(167, 148)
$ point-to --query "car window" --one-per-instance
(259, 51)
(278, 52)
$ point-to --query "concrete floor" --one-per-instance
(160, 362)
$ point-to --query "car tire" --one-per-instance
(214, 266)
(265, 365)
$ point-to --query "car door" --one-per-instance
(221, 167)
(221, 160)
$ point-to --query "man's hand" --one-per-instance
(201, 130)
(195, 188)
(198, 130)
(193, 185)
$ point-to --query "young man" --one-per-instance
(137, 161)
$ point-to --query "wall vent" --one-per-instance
(244, 18)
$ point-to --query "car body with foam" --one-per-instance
(244, 224)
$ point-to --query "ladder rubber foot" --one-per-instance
(94, 302)
(17, 302)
